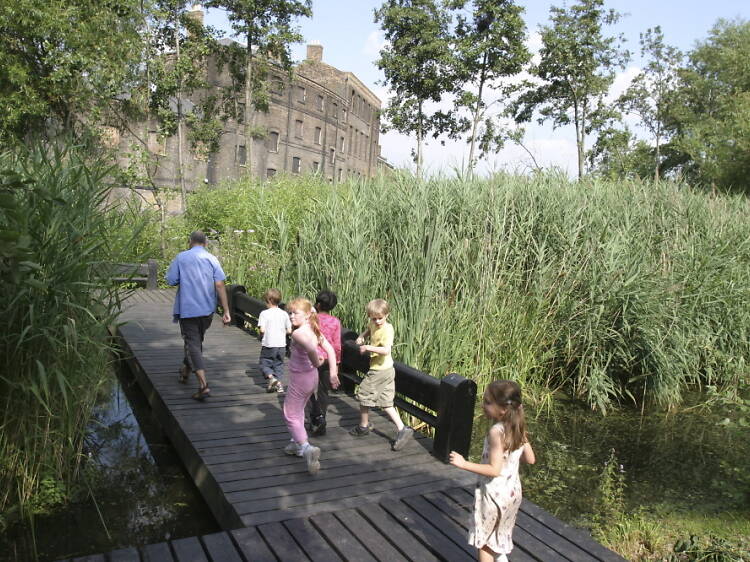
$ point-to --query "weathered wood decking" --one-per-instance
(367, 502)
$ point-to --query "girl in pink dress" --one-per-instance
(498, 493)
(303, 378)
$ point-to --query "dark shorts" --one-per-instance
(272, 361)
(193, 331)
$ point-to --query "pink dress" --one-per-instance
(496, 503)
(303, 380)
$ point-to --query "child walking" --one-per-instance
(274, 325)
(498, 493)
(303, 378)
(378, 386)
(330, 327)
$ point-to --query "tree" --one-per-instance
(267, 28)
(417, 64)
(576, 69)
(489, 48)
(709, 111)
(649, 91)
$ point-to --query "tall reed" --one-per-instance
(626, 291)
(56, 306)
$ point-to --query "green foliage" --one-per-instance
(577, 67)
(54, 267)
(709, 112)
(63, 60)
(708, 549)
(418, 66)
(610, 494)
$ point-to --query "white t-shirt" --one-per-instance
(275, 324)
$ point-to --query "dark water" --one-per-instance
(134, 489)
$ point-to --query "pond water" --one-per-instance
(134, 488)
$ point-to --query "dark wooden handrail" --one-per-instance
(144, 274)
(447, 404)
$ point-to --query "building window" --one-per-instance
(240, 113)
(298, 128)
(333, 155)
(320, 103)
(301, 94)
(335, 111)
(316, 167)
(318, 135)
(273, 141)
(344, 115)
(341, 174)
(296, 164)
(270, 172)
(277, 86)
(342, 141)
(241, 154)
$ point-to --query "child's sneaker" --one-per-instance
(279, 387)
(359, 431)
(273, 384)
(292, 449)
(318, 426)
(402, 437)
(312, 458)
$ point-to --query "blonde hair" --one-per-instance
(306, 306)
(377, 307)
(507, 394)
(272, 296)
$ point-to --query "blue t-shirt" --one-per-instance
(195, 271)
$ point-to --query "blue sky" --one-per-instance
(351, 41)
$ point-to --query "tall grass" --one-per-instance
(53, 315)
(612, 291)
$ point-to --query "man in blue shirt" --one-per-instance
(200, 277)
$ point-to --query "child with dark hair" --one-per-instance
(330, 327)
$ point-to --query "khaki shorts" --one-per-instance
(378, 388)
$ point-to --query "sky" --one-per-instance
(351, 42)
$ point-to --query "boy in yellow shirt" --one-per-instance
(378, 386)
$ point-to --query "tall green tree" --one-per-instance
(490, 47)
(62, 63)
(267, 27)
(648, 94)
(418, 65)
(577, 67)
(709, 112)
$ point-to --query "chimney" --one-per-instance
(196, 14)
(315, 52)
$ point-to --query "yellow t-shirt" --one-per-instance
(381, 336)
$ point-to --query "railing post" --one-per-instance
(455, 416)
(153, 274)
(232, 290)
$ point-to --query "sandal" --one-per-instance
(184, 374)
(203, 393)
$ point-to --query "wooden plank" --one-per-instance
(447, 526)
(315, 545)
(379, 545)
(404, 541)
(345, 543)
(220, 547)
(426, 533)
(251, 545)
(281, 542)
(560, 544)
(158, 552)
(124, 555)
(189, 550)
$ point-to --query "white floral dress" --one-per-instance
(496, 503)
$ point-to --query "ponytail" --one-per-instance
(507, 394)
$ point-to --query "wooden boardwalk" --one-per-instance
(367, 502)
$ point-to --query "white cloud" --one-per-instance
(374, 43)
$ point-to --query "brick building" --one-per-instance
(323, 120)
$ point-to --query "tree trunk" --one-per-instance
(180, 172)
(476, 118)
(580, 123)
(419, 143)
(248, 109)
(658, 153)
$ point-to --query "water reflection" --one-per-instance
(133, 488)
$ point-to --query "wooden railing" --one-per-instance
(446, 404)
(143, 274)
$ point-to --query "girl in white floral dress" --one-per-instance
(498, 493)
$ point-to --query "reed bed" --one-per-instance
(53, 317)
(614, 292)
